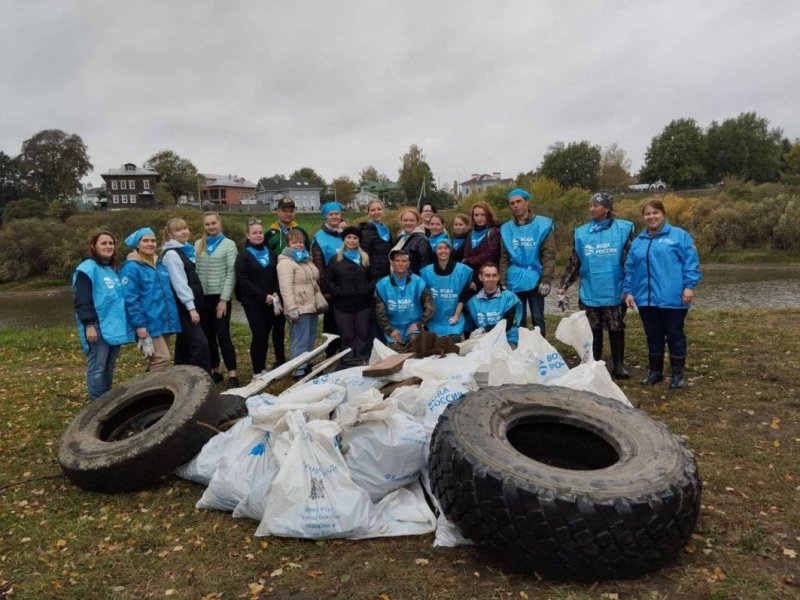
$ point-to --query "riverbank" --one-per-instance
(739, 414)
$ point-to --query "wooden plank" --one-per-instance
(320, 368)
(388, 366)
(390, 387)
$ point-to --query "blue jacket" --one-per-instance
(523, 244)
(109, 304)
(600, 249)
(487, 312)
(403, 303)
(447, 291)
(149, 300)
(658, 268)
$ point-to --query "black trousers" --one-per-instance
(356, 332)
(279, 338)
(329, 326)
(664, 325)
(260, 318)
(218, 332)
(191, 345)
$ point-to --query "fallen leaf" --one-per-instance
(384, 597)
(610, 596)
(776, 423)
(344, 578)
(276, 573)
(776, 443)
(293, 565)
(315, 573)
(523, 595)
(264, 544)
(255, 588)
(790, 553)
(61, 543)
(421, 561)
(171, 592)
(718, 575)
(476, 574)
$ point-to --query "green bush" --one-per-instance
(27, 208)
(31, 247)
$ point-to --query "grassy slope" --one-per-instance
(739, 414)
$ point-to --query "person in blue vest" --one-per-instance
(149, 301)
(403, 303)
(448, 282)
(99, 303)
(661, 272)
(324, 247)
(493, 304)
(598, 256)
(436, 231)
(527, 256)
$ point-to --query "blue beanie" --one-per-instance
(132, 241)
(329, 206)
(519, 192)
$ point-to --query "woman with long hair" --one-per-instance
(437, 231)
(149, 301)
(216, 257)
(413, 240)
(448, 282)
(257, 290)
(461, 230)
(351, 283)
(99, 304)
(482, 245)
(178, 256)
(326, 244)
(376, 239)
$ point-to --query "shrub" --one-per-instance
(27, 208)
(30, 247)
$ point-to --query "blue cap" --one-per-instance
(329, 206)
(519, 192)
(132, 241)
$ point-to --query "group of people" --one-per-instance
(368, 284)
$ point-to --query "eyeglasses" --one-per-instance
(253, 221)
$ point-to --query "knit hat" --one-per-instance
(351, 230)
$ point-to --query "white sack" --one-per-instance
(593, 377)
(404, 512)
(575, 331)
(201, 468)
(447, 534)
(534, 360)
(317, 401)
(407, 398)
(352, 380)
(252, 506)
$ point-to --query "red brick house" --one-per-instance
(226, 190)
(130, 187)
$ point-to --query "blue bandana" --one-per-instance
(477, 237)
(458, 242)
(383, 231)
(519, 192)
(353, 255)
(262, 255)
(401, 283)
(299, 255)
(132, 241)
(329, 206)
(212, 241)
(188, 252)
(599, 225)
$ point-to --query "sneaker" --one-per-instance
(216, 376)
(233, 382)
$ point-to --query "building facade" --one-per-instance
(479, 183)
(130, 187)
(304, 194)
(226, 190)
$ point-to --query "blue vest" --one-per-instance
(403, 305)
(109, 304)
(445, 290)
(329, 244)
(601, 262)
(435, 239)
(523, 243)
(490, 311)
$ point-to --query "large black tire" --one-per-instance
(141, 430)
(564, 483)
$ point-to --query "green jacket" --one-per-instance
(216, 272)
(275, 239)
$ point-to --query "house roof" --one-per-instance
(486, 178)
(227, 181)
(135, 171)
(281, 185)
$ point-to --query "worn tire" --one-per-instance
(564, 483)
(140, 430)
(233, 408)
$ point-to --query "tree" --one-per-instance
(369, 174)
(311, 176)
(744, 147)
(178, 175)
(791, 169)
(344, 189)
(9, 179)
(52, 163)
(576, 164)
(27, 208)
(677, 155)
(415, 175)
(614, 168)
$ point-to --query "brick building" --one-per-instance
(226, 190)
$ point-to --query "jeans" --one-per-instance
(302, 334)
(664, 325)
(100, 370)
(218, 330)
(536, 302)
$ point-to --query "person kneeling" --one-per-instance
(493, 304)
(403, 304)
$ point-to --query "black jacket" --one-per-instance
(376, 248)
(352, 286)
(419, 251)
(254, 282)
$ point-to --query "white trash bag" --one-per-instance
(202, 467)
(575, 331)
(593, 377)
(407, 398)
(448, 535)
(352, 380)
(317, 401)
(252, 506)
(313, 495)
(384, 446)
(404, 512)
(534, 360)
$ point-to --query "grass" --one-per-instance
(739, 414)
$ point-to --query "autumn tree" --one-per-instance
(311, 176)
(571, 165)
(344, 189)
(614, 168)
(369, 174)
(51, 164)
(415, 175)
(9, 179)
(179, 177)
(791, 169)
(677, 155)
(744, 147)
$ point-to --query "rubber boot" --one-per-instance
(656, 374)
(677, 365)
(617, 342)
(597, 344)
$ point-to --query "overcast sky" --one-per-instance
(257, 88)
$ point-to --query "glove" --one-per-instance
(293, 315)
(146, 347)
(544, 289)
(563, 302)
(277, 307)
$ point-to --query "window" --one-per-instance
(123, 185)
(124, 197)
(114, 184)
(133, 198)
(115, 198)
(222, 194)
(146, 184)
(131, 184)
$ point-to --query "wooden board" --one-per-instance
(388, 366)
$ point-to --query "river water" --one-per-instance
(723, 286)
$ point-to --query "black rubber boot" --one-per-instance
(656, 374)
(597, 344)
(617, 342)
(677, 365)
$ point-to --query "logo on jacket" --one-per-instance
(109, 283)
(523, 242)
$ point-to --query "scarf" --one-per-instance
(458, 241)
(599, 225)
(353, 255)
(212, 242)
(188, 252)
(401, 283)
(383, 231)
(260, 252)
(298, 255)
(477, 235)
